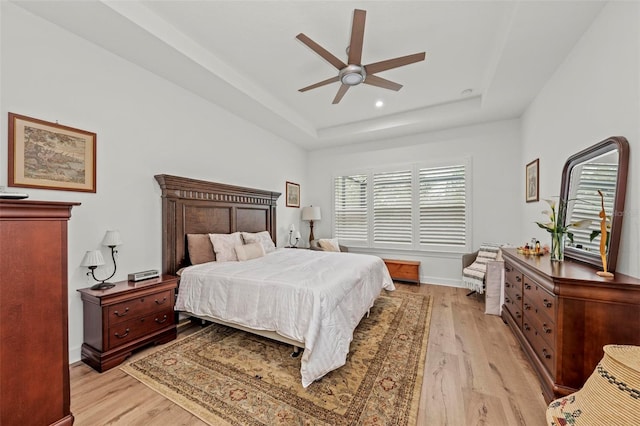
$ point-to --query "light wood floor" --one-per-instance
(475, 374)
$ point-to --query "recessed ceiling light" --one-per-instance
(467, 92)
(379, 104)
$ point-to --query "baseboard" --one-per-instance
(74, 355)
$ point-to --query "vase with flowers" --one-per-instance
(558, 229)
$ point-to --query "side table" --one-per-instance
(127, 317)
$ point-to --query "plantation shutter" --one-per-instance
(350, 208)
(593, 177)
(443, 205)
(392, 207)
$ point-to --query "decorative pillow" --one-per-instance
(329, 244)
(249, 251)
(224, 245)
(262, 237)
(200, 249)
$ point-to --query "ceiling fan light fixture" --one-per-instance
(352, 75)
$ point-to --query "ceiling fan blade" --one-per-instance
(322, 83)
(394, 63)
(328, 56)
(374, 80)
(341, 91)
(357, 36)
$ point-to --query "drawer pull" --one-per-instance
(526, 326)
(546, 329)
(527, 306)
(118, 314)
(126, 333)
(527, 286)
(506, 300)
(518, 315)
(518, 297)
(507, 285)
(518, 279)
(546, 303)
(160, 321)
(158, 302)
(546, 354)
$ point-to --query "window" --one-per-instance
(443, 212)
(392, 200)
(350, 208)
(586, 204)
(412, 207)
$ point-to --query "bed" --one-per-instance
(304, 298)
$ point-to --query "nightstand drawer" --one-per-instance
(139, 306)
(138, 327)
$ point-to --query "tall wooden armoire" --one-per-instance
(34, 349)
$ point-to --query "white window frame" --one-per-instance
(415, 244)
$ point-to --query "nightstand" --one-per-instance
(127, 317)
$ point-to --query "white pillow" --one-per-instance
(249, 251)
(224, 245)
(262, 237)
(329, 244)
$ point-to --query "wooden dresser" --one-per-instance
(563, 314)
(34, 348)
(127, 317)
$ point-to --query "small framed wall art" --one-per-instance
(532, 181)
(293, 194)
(50, 156)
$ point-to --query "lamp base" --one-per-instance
(102, 286)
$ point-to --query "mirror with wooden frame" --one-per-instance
(602, 167)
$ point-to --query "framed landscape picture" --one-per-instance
(532, 181)
(50, 156)
(293, 194)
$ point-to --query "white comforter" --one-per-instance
(313, 297)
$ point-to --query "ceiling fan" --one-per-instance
(353, 72)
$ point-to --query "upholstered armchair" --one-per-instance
(483, 270)
(315, 245)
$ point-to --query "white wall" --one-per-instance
(497, 184)
(145, 126)
(594, 94)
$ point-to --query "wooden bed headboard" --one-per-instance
(191, 206)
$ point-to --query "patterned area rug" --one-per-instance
(226, 376)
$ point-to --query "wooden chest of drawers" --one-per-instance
(126, 317)
(563, 314)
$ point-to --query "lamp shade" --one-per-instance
(311, 213)
(92, 258)
(112, 238)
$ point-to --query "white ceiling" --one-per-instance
(243, 55)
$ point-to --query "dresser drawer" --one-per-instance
(543, 302)
(144, 305)
(543, 350)
(515, 309)
(544, 326)
(512, 277)
(513, 292)
(138, 327)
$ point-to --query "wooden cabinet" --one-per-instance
(404, 270)
(126, 317)
(34, 348)
(563, 314)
